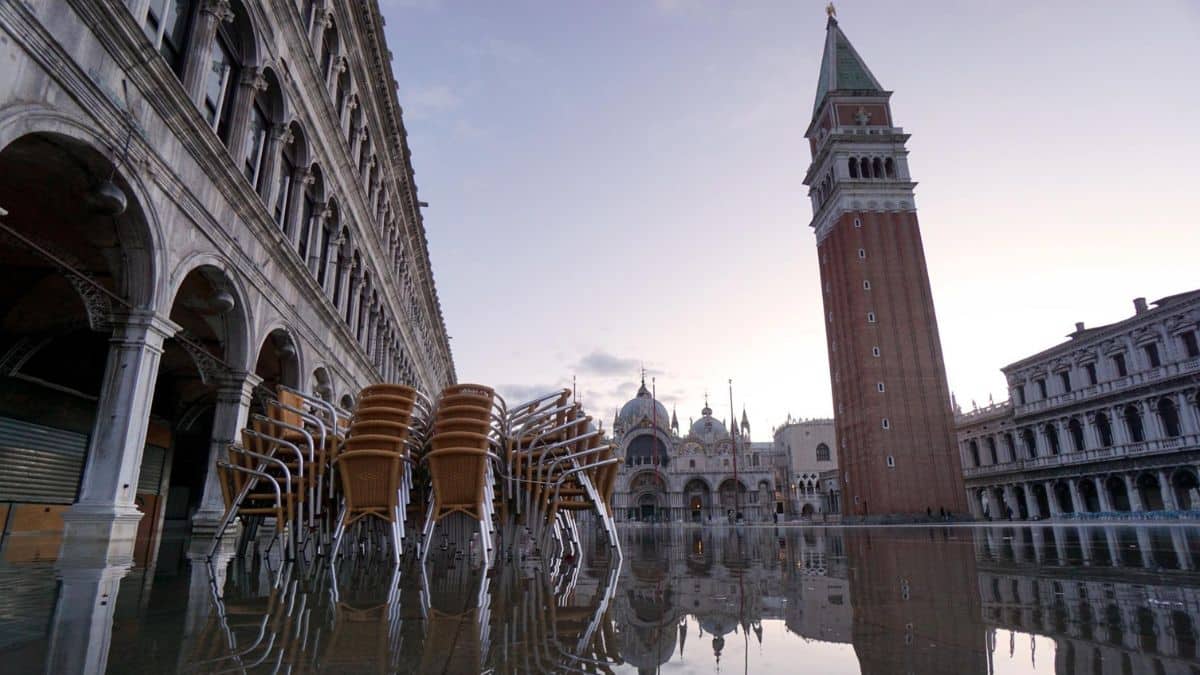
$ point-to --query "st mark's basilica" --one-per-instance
(703, 474)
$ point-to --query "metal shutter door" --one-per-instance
(39, 464)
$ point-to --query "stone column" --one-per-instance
(302, 178)
(279, 136)
(1182, 552)
(1114, 546)
(1091, 436)
(234, 393)
(1085, 547)
(1035, 509)
(995, 509)
(251, 82)
(1117, 424)
(1010, 500)
(105, 507)
(316, 232)
(327, 274)
(1135, 499)
(352, 296)
(1168, 493)
(1060, 544)
(975, 506)
(1076, 501)
(198, 59)
(1039, 545)
(90, 573)
(1102, 493)
(1187, 415)
(1052, 499)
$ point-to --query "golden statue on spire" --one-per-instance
(831, 11)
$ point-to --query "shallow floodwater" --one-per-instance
(1106, 600)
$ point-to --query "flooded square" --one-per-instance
(683, 599)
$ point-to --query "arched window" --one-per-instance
(974, 447)
(853, 167)
(1104, 430)
(353, 127)
(232, 50)
(1076, 431)
(329, 50)
(1133, 422)
(865, 167)
(877, 168)
(1051, 432)
(889, 167)
(341, 93)
(266, 111)
(992, 454)
(822, 452)
(167, 23)
(1030, 443)
(1169, 416)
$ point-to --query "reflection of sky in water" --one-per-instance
(928, 601)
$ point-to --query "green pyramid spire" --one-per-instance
(842, 69)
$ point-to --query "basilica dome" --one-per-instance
(644, 407)
(708, 429)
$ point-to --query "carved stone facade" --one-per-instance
(199, 199)
(702, 476)
(813, 486)
(1105, 423)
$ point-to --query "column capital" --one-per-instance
(254, 78)
(143, 325)
(222, 10)
(282, 133)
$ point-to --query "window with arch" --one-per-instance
(862, 253)
(1104, 430)
(886, 424)
(329, 51)
(875, 352)
(865, 167)
(891, 462)
(1051, 432)
(1075, 428)
(853, 165)
(1133, 423)
(889, 168)
(1169, 416)
(879, 387)
(870, 317)
(231, 51)
(266, 111)
(974, 449)
(992, 454)
(1191, 347)
(877, 168)
(328, 229)
(166, 24)
(1030, 443)
(857, 222)
(309, 207)
(866, 285)
(823, 452)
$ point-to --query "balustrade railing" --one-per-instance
(1144, 448)
(1150, 376)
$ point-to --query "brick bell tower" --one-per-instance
(894, 425)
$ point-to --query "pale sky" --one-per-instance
(612, 183)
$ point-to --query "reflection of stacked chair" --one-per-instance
(375, 461)
(364, 633)
(462, 461)
(456, 604)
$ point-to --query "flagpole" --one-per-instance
(737, 493)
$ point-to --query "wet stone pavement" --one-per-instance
(1087, 599)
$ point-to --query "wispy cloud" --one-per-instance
(430, 100)
(601, 362)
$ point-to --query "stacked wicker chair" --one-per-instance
(463, 462)
(375, 461)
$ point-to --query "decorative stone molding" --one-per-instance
(222, 10)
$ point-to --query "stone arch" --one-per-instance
(1186, 486)
(646, 446)
(139, 228)
(220, 274)
(1150, 491)
(279, 359)
(1118, 495)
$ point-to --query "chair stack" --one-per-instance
(558, 459)
(463, 462)
(375, 461)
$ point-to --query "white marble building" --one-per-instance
(198, 199)
(812, 483)
(1107, 422)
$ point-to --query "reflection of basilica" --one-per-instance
(701, 476)
(718, 585)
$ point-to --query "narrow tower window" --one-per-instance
(886, 423)
(866, 285)
(853, 167)
(870, 317)
(875, 352)
(889, 167)
(858, 222)
(891, 462)
(879, 386)
(877, 167)
(862, 253)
